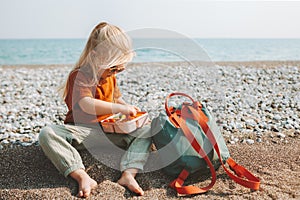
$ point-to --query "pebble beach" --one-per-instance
(255, 104)
(252, 102)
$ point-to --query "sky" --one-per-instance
(192, 18)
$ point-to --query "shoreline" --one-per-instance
(257, 64)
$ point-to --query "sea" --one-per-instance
(67, 51)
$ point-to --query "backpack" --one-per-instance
(188, 141)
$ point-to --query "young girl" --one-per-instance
(91, 94)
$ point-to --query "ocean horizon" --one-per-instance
(67, 51)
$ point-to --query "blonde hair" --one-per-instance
(107, 46)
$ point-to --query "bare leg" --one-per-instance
(128, 180)
(85, 182)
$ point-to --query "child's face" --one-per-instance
(116, 69)
(112, 71)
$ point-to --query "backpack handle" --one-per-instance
(174, 117)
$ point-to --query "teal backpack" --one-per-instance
(188, 141)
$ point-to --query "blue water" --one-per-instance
(67, 51)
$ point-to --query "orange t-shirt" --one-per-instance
(78, 87)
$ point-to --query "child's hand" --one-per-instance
(129, 110)
(137, 109)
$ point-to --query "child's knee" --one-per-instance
(45, 134)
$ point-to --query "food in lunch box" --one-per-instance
(123, 118)
(120, 123)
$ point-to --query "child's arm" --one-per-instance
(98, 107)
(121, 101)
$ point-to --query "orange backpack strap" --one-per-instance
(242, 176)
(177, 184)
(173, 117)
(180, 122)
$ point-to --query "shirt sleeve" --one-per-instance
(79, 88)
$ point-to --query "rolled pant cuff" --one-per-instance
(132, 166)
(73, 168)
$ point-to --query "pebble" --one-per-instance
(231, 142)
(277, 117)
(280, 135)
(259, 140)
(28, 102)
(243, 99)
(249, 141)
(250, 123)
(236, 140)
(5, 142)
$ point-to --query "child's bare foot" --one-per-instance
(127, 180)
(85, 187)
(85, 182)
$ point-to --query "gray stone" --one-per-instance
(242, 108)
(236, 140)
(25, 144)
(249, 141)
(277, 117)
(250, 123)
(280, 135)
(5, 142)
(288, 126)
(259, 140)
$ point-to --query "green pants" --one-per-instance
(61, 142)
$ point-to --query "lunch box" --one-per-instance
(118, 123)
